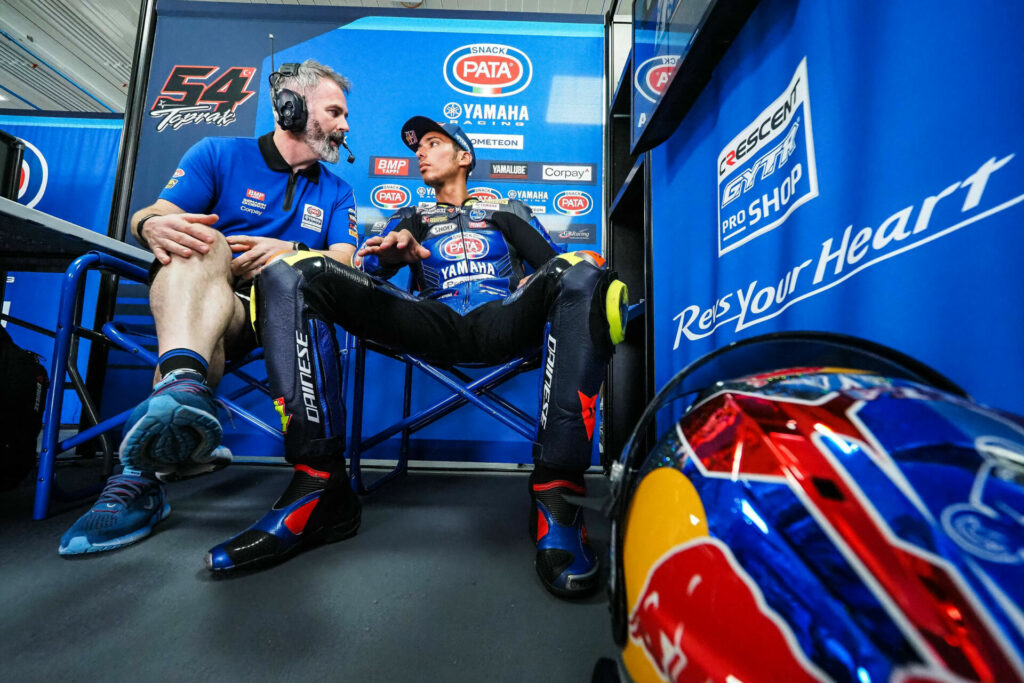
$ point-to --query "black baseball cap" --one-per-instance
(418, 126)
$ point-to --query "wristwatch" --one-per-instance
(138, 229)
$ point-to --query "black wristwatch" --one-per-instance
(299, 246)
(138, 229)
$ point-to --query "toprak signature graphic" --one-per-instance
(768, 169)
(488, 70)
(202, 94)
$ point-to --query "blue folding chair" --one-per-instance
(69, 330)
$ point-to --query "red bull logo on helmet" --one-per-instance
(468, 245)
(487, 70)
(700, 617)
(573, 203)
(35, 173)
(390, 196)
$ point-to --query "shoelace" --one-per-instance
(122, 489)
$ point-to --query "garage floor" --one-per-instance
(437, 586)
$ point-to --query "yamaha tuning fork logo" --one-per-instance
(768, 169)
(488, 70)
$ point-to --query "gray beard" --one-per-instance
(320, 142)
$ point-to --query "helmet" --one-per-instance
(819, 508)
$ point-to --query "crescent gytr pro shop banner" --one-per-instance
(895, 216)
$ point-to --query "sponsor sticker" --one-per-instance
(487, 114)
(389, 166)
(171, 183)
(178, 172)
(767, 170)
(476, 214)
(35, 173)
(487, 70)
(468, 245)
(652, 76)
(568, 173)
(390, 196)
(496, 141)
(201, 95)
(487, 206)
(506, 169)
(312, 217)
(573, 203)
(442, 229)
(573, 234)
(484, 194)
(255, 194)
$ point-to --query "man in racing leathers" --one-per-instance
(476, 304)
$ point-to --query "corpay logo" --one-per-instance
(768, 170)
(487, 70)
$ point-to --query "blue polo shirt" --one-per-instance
(249, 185)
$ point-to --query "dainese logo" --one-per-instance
(573, 203)
(488, 70)
(467, 245)
(390, 196)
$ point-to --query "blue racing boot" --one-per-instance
(176, 425)
(565, 562)
(125, 513)
(317, 507)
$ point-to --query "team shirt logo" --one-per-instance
(312, 217)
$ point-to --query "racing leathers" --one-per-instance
(469, 309)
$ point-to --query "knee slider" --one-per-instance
(609, 298)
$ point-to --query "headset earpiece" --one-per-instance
(288, 104)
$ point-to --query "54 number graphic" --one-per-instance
(202, 94)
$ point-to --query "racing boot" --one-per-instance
(317, 507)
(175, 427)
(566, 564)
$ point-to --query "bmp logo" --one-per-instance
(390, 196)
(653, 75)
(389, 166)
(768, 170)
(484, 194)
(487, 70)
(34, 174)
(573, 203)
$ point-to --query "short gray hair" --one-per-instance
(309, 74)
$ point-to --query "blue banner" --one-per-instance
(528, 93)
(68, 172)
(831, 177)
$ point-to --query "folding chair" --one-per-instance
(69, 331)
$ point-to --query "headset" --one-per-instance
(289, 105)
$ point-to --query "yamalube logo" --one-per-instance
(653, 75)
(768, 169)
(488, 70)
(390, 196)
(573, 203)
(202, 94)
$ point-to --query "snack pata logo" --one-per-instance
(202, 94)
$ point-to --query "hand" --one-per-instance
(180, 233)
(395, 247)
(258, 251)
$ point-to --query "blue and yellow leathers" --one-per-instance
(469, 310)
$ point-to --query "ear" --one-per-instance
(465, 158)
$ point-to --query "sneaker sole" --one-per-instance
(80, 545)
(221, 458)
(155, 441)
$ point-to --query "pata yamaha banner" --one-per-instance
(857, 168)
(528, 94)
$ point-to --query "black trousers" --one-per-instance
(560, 309)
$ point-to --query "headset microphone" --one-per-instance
(344, 143)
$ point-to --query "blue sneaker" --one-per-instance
(177, 424)
(566, 564)
(125, 513)
(316, 508)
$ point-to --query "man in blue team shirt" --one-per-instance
(229, 206)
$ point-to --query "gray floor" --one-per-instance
(437, 586)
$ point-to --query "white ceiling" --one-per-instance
(76, 55)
